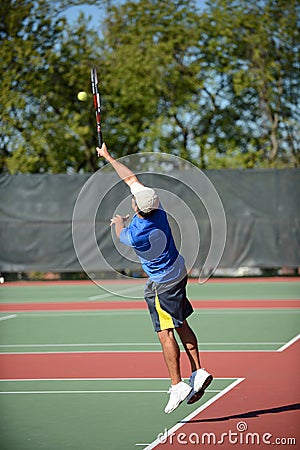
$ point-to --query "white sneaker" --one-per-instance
(199, 381)
(178, 393)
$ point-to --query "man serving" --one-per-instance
(149, 234)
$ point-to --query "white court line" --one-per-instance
(197, 411)
(12, 380)
(82, 392)
(85, 313)
(118, 294)
(120, 344)
(289, 343)
(129, 351)
(91, 392)
(108, 344)
(11, 316)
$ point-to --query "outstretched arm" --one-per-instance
(124, 173)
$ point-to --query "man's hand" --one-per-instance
(119, 220)
(119, 223)
(103, 152)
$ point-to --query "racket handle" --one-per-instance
(100, 140)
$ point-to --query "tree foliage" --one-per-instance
(256, 55)
(218, 86)
(44, 64)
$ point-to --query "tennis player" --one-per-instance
(150, 236)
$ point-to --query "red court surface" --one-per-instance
(121, 305)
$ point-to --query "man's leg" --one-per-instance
(189, 341)
(179, 390)
(171, 354)
(200, 378)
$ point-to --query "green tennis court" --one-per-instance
(132, 331)
(109, 291)
(100, 414)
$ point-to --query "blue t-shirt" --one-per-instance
(152, 240)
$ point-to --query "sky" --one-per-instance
(93, 11)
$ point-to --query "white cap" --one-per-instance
(146, 198)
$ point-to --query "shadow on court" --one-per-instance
(250, 414)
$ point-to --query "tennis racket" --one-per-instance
(97, 104)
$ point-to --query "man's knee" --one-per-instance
(165, 335)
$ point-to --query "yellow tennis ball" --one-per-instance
(82, 96)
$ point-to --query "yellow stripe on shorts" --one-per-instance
(165, 320)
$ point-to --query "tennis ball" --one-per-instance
(82, 96)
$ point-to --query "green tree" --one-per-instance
(219, 86)
(44, 63)
(252, 49)
(150, 75)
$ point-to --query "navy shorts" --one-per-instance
(168, 305)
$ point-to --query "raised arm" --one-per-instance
(124, 173)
